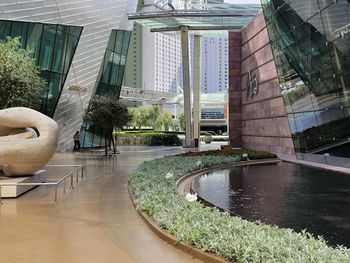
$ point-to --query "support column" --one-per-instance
(196, 90)
(235, 89)
(186, 85)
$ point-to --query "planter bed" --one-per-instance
(153, 188)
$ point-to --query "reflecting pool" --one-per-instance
(286, 195)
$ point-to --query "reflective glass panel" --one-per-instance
(110, 80)
(52, 47)
(310, 41)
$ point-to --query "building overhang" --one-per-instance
(215, 17)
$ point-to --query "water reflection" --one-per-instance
(286, 195)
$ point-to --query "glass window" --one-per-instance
(5, 27)
(19, 29)
(55, 84)
(34, 39)
(111, 77)
(313, 63)
(52, 48)
(69, 52)
(47, 47)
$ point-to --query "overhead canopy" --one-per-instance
(199, 17)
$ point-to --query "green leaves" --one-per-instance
(107, 113)
(142, 117)
(208, 229)
(20, 84)
(139, 117)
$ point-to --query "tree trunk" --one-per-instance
(113, 144)
(106, 145)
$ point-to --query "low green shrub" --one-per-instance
(138, 132)
(162, 139)
(153, 139)
(212, 231)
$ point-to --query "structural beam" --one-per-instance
(192, 13)
(198, 28)
(196, 89)
(186, 85)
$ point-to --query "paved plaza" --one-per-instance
(94, 222)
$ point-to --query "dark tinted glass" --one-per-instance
(310, 41)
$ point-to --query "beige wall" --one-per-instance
(264, 124)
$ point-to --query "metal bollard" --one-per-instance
(55, 194)
(82, 171)
(64, 186)
(71, 181)
(77, 180)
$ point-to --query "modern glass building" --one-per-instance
(52, 47)
(310, 41)
(109, 81)
(70, 43)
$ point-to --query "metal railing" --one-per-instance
(55, 184)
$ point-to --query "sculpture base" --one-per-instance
(10, 187)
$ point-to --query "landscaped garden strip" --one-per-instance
(153, 188)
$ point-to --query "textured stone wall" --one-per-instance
(98, 18)
(264, 123)
(235, 90)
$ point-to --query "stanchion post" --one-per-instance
(71, 180)
(55, 194)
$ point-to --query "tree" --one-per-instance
(139, 117)
(166, 120)
(20, 84)
(108, 113)
(182, 121)
(153, 115)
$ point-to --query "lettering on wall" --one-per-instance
(253, 85)
(78, 88)
(342, 32)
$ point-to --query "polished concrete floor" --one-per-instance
(94, 222)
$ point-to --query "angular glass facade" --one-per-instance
(110, 80)
(311, 46)
(52, 47)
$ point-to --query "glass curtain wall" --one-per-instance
(52, 47)
(110, 80)
(310, 41)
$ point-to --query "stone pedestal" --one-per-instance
(10, 187)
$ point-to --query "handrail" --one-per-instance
(63, 179)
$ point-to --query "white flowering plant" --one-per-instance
(245, 157)
(206, 228)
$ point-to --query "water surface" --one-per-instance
(285, 194)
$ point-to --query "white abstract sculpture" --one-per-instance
(21, 153)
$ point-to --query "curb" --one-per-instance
(171, 240)
(182, 179)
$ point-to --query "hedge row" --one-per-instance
(153, 139)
